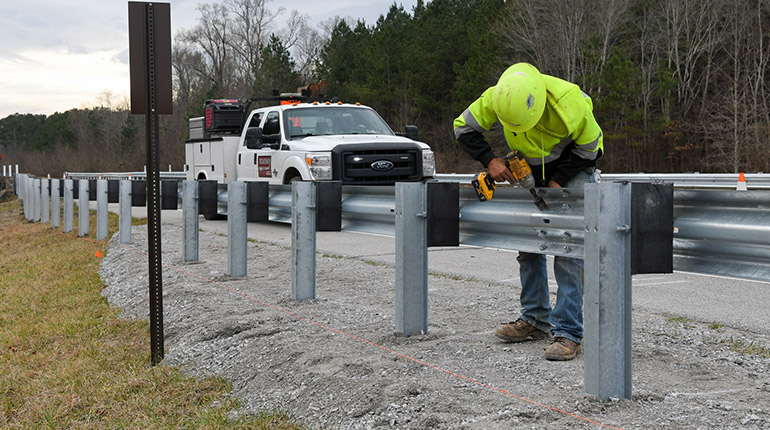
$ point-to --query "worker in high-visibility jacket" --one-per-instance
(551, 122)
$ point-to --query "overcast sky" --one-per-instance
(61, 54)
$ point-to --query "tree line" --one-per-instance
(677, 85)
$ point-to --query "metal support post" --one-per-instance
(83, 210)
(36, 200)
(607, 339)
(102, 212)
(190, 222)
(45, 202)
(411, 258)
(303, 240)
(18, 183)
(236, 229)
(23, 185)
(55, 203)
(69, 210)
(124, 221)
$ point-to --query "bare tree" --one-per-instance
(211, 37)
(252, 24)
(304, 42)
(690, 33)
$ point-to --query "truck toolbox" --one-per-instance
(223, 115)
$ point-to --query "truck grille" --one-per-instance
(396, 163)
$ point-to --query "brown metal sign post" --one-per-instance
(149, 37)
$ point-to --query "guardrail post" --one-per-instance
(303, 240)
(23, 195)
(102, 213)
(69, 210)
(236, 229)
(55, 203)
(124, 217)
(190, 221)
(607, 298)
(36, 197)
(83, 210)
(45, 197)
(411, 258)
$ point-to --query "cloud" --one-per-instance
(121, 57)
(58, 54)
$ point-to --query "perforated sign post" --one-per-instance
(149, 37)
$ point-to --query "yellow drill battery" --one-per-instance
(484, 186)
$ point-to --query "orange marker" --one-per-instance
(98, 254)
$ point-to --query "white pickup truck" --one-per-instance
(316, 141)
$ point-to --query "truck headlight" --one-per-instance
(320, 165)
(428, 163)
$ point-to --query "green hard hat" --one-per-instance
(519, 97)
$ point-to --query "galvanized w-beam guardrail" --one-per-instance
(753, 181)
(716, 232)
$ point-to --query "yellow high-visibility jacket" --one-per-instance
(566, 140)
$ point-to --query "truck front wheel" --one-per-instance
(292, 177)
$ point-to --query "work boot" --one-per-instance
(562, 349)
(518, 331)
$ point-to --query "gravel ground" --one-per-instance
(335, 362)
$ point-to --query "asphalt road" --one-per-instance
(732, 302)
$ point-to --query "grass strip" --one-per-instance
(68, 361)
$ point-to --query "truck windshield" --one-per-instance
(319, 121)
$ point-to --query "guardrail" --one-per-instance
(136, 176)
(754, 181)
(716, 232)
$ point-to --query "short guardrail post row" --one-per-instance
(411, 258)
(124, 217)
(102, 211)
(55, 203)
(607, 298)
(303, 240)
(45, 196)
(83, 210)
(190, 221)
(69, 206)
(236, 229)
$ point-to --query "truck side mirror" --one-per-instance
(254, 137)
(411, 132)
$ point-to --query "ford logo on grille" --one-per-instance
(382, 165)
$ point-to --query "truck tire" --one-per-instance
(292, 177)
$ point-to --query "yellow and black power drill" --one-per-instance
(485, 185)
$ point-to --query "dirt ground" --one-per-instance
(335, 362)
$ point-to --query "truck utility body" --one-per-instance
(304, 141)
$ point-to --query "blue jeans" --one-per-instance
(566, 318)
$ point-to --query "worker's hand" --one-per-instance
(553, 184)
(499, 171)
